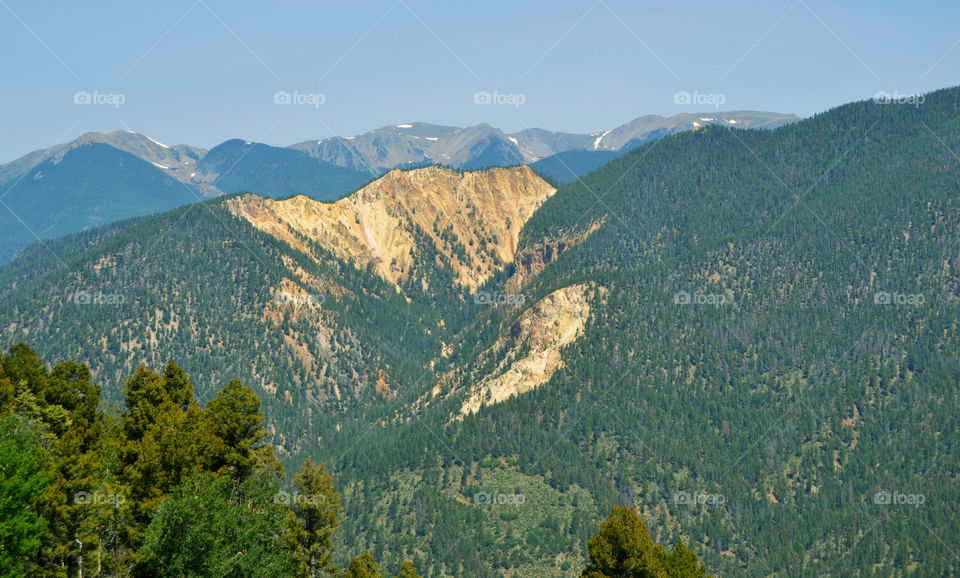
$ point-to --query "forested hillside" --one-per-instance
(771, 374)
(317, 336)
(748, 336)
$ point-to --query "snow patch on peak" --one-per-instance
(596, 142)
(156, 142)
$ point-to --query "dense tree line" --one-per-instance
(162, 488)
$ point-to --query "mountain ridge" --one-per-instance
(324, 169)
(477, 215)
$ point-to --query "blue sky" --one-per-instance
(202, 71)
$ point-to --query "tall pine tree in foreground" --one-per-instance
(623, 548)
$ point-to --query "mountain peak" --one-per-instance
(473, 219)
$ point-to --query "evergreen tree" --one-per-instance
(682, 563)
(233, 416)
(408, 570)
(363, 566)
(623, 548)
(314, 520)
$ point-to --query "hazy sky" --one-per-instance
(203, 71)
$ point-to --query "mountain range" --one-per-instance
(102, 178)
(749, 336)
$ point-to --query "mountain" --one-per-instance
(238, 166)
(79, 187)
(93, 180)
(474, 219)
(652, 127)
(415, 144)
(573, 162)
(310, 287)
(537, 143)
(175, 160)
(103, 178)
(323, 170)
(746, 330)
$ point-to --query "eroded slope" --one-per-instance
(473, 219)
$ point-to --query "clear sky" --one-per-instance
(203, 71)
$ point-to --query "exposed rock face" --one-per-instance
(473, 219)
(526, 354)
(534, 343)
